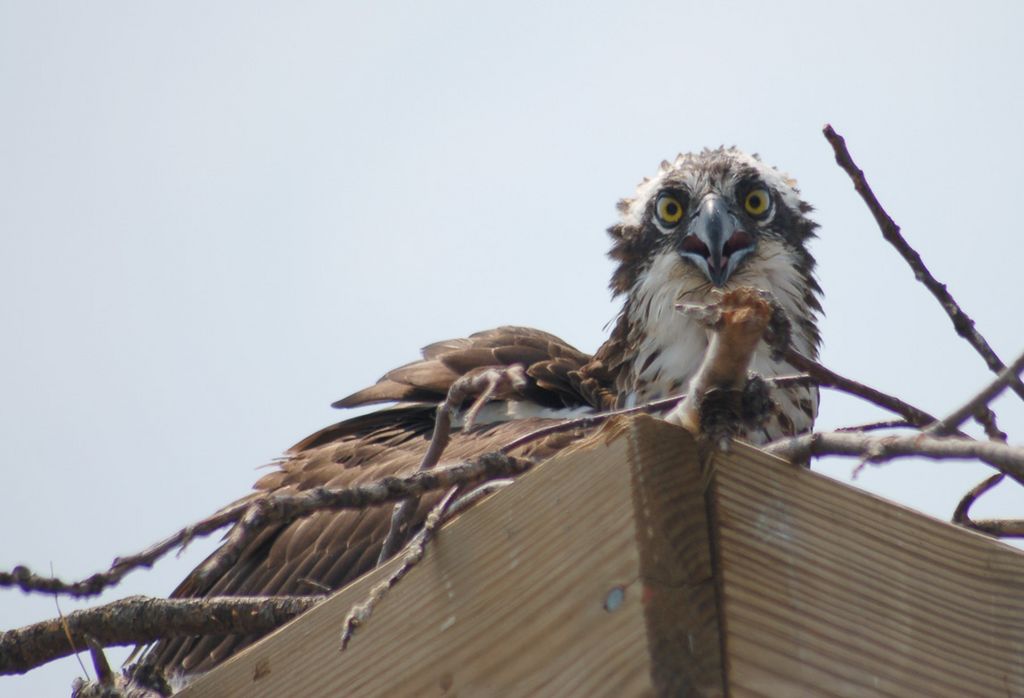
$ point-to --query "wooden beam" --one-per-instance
(830, 591)
(590, 576)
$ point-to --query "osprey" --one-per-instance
(703, 223)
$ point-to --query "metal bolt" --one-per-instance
(614, 599)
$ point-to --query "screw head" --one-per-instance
(614, 599)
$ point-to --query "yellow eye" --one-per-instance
(757, 202)
(669, 209)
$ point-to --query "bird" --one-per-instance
(704, 223)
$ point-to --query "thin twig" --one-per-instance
(104, 675)
(1000, 528)
(800, 380)
(253, 515)
(827, 378)
(487, 384)
(591, 420)
(67, 630)
(979, 402)
(962, 513)
(778, 336)
(139, 620)
(414, 551)
(962, 323)
(878, 449)
(987, 419)
(27, 580)
(876, 426)
(108, 684)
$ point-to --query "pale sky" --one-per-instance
(218, 217)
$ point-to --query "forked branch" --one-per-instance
(962, 322)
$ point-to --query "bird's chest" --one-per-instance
(664, 370)
(668, 348)
(667, 357)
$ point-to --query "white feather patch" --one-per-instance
(510, 410)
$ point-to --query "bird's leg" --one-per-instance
(715, 403)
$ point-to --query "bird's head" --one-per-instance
(710, 219)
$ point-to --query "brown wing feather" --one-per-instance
(428, 379)
(330, 549)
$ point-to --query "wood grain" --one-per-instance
(680, 594)
(512, 599)
(829, 591)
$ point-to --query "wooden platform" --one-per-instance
(625, 568)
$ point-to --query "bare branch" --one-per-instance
(140, 619)
(979, 402)
(877, 449)
(826, 378)
(28, 581)
(962, 323)
(987, 419)
(962, 513)
(1000, 528)
(253, 514)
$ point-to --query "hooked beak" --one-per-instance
(715, 241)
